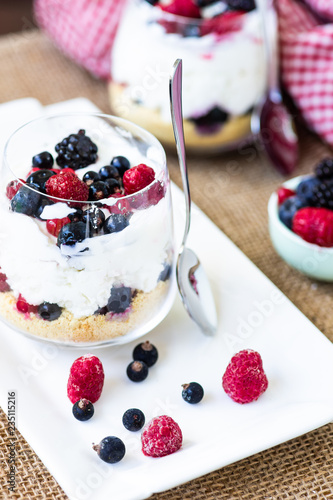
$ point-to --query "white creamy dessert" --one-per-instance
(79, 278)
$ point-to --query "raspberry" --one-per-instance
(244, 379)
(137, 178)
(4, 287)
(120, 207)
(54, 225)
(223, 24)
(67, 186)
(66, 171)
(86, 379)
(186, 8)
(314, 225)
(13, 187)
(284, 193)
(24, 307)
(162, 436)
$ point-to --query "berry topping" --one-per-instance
(323, 195)
(109, 172)
(115, 223)
(121, 163)
(288, 209)
(111, 449)
(76, 216)
(113, 185)
(133, 419)
(145, 352)
(49, 312)
(246, 5)
(76, 151)
(120, 299)
(324, 169)
(39, 178)
(161, 436)
(305, 189)
(90, 177)
(244, 379)
(43, 160)
(98, 190)
(13, 187)
(4, 287)
(95, 218)
(68, 187)
(192, 393)
(137, 371)
(65, 171)
(26, 201)
(83, 410)
(120, 207)
(137, 178)
(44, 202)
(73, 233)
(284, 193)
(86, 379)
(24, 307)
(186, 8)
(55, 225)
(314, 225)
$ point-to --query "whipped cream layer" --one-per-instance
(226, 71)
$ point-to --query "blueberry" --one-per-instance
(109, 172)
(192, 393)
(44, 202)
(95, 217)
(133, 419)
(40, 177)
(165, 273)
(246, 5)
(113, 185)
(111, 449)
(120, 299)
(137, 371)
(72, 233)
(76, 216)
(90, 177)
(288, 209)
(115, 223)
(49, 312)
(102, 311)
(121, 163)
(305, 189)
(25, 201)
(98, 190)
(83, 410)
(43, 160)
(145, 352)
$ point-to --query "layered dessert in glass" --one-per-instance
(86, 239)
(224, 69)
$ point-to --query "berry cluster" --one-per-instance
(145, 356)
(308, 211)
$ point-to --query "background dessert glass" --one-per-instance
(98, 287)
(224, 72)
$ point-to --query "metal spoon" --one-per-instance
(271, 122)
(192, 281)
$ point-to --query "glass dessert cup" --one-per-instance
(224, 73)
(95, 266)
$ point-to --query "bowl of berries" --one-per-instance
(86, 250)
(300, 215)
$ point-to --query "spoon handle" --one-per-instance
(175, 88)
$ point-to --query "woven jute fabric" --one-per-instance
(233, 190)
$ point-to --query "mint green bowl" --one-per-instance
(312, 260)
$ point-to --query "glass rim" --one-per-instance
(121, 121)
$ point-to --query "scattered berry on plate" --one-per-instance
(83, 410)
(98, 190)
(244, 379)
(192, 393)
(43, 160)
(133, 419)
(137, 371)
(86, 379)
(68, 187)
(145, 352)
(111, 449)
(314, 225)
(115, 223)
(120, 299)
(73, 233)
(161, 436)
(25, 201)
(13, 187)
(137, 178)
(288, 208)
(324, 169)
(76, 151)
(284, 193)
(54, 226)
(49, 312)
(121, 163)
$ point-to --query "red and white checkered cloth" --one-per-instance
(85, 29)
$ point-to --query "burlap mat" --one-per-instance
(233, 191)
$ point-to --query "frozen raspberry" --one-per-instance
(284, 193)
(162, 436)
(54, 225)
(24, 307)
(13, 187)
(314, 225)
(4, 287)
(67, 186)
(86, 379)
(137, 178)
(186, 8)
(244, 379)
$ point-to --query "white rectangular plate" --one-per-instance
(253, 313)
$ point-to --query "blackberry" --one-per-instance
(90, 177)
(98, 190)
(95, 217)
(323, 195)
(83, 409)
(43, 160)
(120, 299)
(137, 371)
(111, 449)
(76, 151)
(192, 393)
(246, 5)
(49, 312)
(121, 163)
(133, 419)
(145, 352)
(324, 169)
(109, 172)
